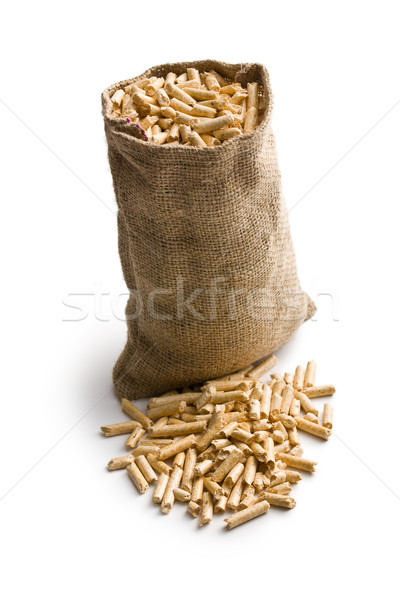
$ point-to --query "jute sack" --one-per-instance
(205, 248)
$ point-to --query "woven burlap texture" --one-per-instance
(191, 220)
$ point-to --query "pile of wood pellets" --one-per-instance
(231, 444)
(196, 109)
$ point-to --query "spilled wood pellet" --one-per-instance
(190, 108)
(231, 444)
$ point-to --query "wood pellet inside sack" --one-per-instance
(232, 444)
(192, 108)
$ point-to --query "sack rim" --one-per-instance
(121, 129)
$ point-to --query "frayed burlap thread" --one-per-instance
(205, 226)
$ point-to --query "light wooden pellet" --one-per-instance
(287, 397)
(137, 477)
(288, 378)
(263, 367)
(248, 498)
(214, 488)
(174, 91)
(261, 436)
(269, 453)
(234, 474)
(258, 482)
(278, 387)
(200, 94)
(159, 465)
(223, 397)
(262, 425)
(188, 469)
(292, 476)
(209, 390)
(254, 409)
(258, 451)
(162, 98)
(277, 499)
(189, 398)
(276, 403)
(206, 510)
(182, 78)
(174, 430)
(244, 448)
(278, 436)
(170, 78)
(178, 446)
(327, 415)
(283, 447)
(294, 438)
(213, 124)
(279, 427)
(169, 497)
(214, 427)
(212, 83)
(286, 420)
(241, 435)
(227, 430)
(236, 494)
(306, 404)
(120, 428)
(265, 402)
(195, 140)
(309, 377)
(224, 468)
(179, 460)
(298, 381)
(250, 122)
(295, 407)
(136, 414)
(319, 391)
(197, 489)
(220, 505)
(146, 469)
(226, 451)
(167, 409)
(280, 488)
(120, 462)
(193, 508)
(118, 97)
(250, 470)
(297, 462)
(160, 488)
(193, 75)
(156, 441)
(260, 508)
(313, 428)
(277, 476)
(140, 98)
(220, 444)
(181, 495)
(174, 421)
(161, 421)
(311, 417)
(146, 449)
(204, 467)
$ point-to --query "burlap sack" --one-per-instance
(205, 248)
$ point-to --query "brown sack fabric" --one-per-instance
(205, 248)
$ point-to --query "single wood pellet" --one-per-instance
(234, 442)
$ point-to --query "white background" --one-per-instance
(68, 527)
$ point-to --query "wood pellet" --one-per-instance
(233, 444)
(192, 109)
